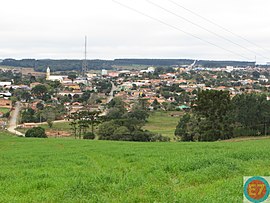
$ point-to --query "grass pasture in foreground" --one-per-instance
(163, 123)
(67, 170)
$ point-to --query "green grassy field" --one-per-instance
(162, 123)
(4, 110)
(69, 170)
(63, 126)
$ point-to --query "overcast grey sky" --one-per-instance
(56, 29)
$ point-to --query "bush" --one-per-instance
(36, 132)
(127, 130)
(89, 136)
(106, 130)
(146, 136)
(141, 136)
(121, 133)
(6, 115)
(159, 138)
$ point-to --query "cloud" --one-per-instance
(56, 29)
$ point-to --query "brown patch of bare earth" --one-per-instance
(57, 133)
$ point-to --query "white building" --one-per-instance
(151, 69)
(229, 69)
(104, 72)
(50, 77)
(2, 84)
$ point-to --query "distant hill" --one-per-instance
(68, 65)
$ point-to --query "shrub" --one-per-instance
(89, 136)
(6, 115)
(159, 138)
(146, 136)
(106, 129)
(141, 136)
(121, 133)
(36, 132)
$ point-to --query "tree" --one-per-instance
(40, 106)
(85, 96)
(106, 130)
(89, 136)
(82, 125)
(251, 112)
(138, 114)
(93, 119)
(82, 120)
(22, 95)
(32, 79)
(72, 76)
(74, 128)
(36, 132)
(211, 119)
(39, 91)
(155, 104)
(115, 113)
(182, 129)
(117, 103)
(255, 74)
(49, 113)
(28, 115)
(121, 133)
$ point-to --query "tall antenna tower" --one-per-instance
(84, 63)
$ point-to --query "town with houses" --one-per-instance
(161, 88)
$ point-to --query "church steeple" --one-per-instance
(48, 73)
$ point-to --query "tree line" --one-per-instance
(217, 116)
(71, 65)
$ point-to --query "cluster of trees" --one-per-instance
(81, 123)
(43, 114)
(9, 75)
(126, 126)
(127, 130)
(215, 116)
(117, 124)
(102, 86)
(209, 120)
(251, 114)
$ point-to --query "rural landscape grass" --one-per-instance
(158, 122)
(69, 170)
(63, 126)
(162, 122)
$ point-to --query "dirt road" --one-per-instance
(12, 125)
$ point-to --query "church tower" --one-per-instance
(48, 73)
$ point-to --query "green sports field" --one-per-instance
(69, 170)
